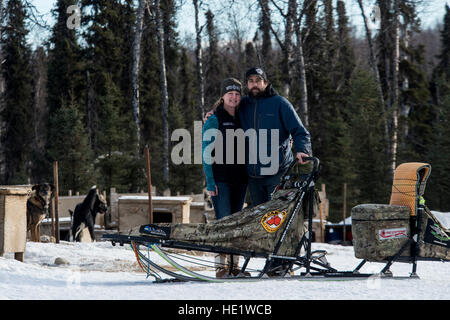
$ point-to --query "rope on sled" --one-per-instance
(147, 270)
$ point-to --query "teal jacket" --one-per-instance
(211, 123)
(222, 170)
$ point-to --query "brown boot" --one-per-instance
(222, 272)
(236, 270)
(222, 269)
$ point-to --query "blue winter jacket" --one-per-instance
(272, 112)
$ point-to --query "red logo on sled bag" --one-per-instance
(396, 233)
(273, 220)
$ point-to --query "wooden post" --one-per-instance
(55, 179)
(344, 210)
(53, 217)
(322, 238)
(149, 185)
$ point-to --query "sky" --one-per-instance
(431, 13)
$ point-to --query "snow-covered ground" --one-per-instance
(98, 271)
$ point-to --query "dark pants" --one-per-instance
(229, 200)
(262, 187)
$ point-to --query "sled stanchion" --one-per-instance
(244, 266)
(417, 240)
(356, 270)
(310, 218)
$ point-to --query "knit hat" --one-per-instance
(230, 84)
(256, 71)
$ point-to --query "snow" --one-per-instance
(155, 198)
(98, 271)
(443, 217)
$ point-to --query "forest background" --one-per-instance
(99, 80)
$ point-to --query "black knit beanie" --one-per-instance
(230, 84)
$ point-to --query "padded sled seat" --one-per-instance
(409, 184)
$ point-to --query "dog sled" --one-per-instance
(279, 233)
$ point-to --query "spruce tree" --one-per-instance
(65, 74)
(40, 167)
(65, 101)
(416, 125)
(214, 73)
(345, 60)
(367, 159)
(69, 146)
(18, 134)
(188, 177)
(444, 57)
(438, 186)
(107, 26)
(328, 76)
(150, 101)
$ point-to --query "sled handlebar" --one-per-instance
(315, 161)
(314, 171)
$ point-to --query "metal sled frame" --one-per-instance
(276, 266)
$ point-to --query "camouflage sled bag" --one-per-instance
(256, 229)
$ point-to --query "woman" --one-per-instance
(226, 182)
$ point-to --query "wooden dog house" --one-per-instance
(13, 219)
(133, 210)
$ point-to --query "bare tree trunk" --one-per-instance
(288, 46)
(266, 46)
(135, 71)
(404, 107)
(395, 89)
(301, 72)
(199, 65)
(165, 95)
(88, 109)
(373, 65)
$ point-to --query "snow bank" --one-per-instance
(100, 271)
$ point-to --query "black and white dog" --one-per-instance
(85, 213)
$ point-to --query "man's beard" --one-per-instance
(255, 92)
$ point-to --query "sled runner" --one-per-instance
(403, 231)
(279, 232)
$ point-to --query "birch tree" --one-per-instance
(198, 61)
(135, 71)
(395, 89)
(301, 65)
(164, 92)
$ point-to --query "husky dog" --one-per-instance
(37, 208)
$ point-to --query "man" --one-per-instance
(264, 108)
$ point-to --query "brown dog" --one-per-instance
(37, 208)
